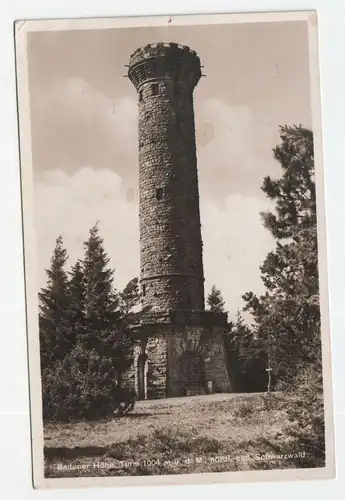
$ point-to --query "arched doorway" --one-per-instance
(192, 372)
(142, 376)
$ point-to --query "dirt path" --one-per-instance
(209, 398)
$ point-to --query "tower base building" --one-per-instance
(180, 353)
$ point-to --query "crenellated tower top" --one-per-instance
(164, 61)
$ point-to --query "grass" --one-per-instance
(197, 434)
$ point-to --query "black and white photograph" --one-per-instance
(175, 254)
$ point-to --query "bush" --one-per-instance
(83, 386)
(306, 415)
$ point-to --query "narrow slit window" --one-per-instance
(144, 290)
(154, 88)
(159, 194)
(140, 95)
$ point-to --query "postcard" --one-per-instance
(175, 249)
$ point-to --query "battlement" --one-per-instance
(160, 49)
(164, 61)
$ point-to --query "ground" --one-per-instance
(213, 433)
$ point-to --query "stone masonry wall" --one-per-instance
(156, 350)
(170, 236)
(206, 344)
(164, 349)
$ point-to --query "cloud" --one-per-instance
(235, 242)
(220, 120)
(82, 100)
(71, 205)
(74, 125)
(234, 148)
(235, 245)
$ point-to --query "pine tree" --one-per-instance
(287, 316)
(55, 339)
(215, 300)
(294, 193)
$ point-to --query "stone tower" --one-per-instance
(181, 348)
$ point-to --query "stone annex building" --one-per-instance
(180, 350)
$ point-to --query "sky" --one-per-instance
(85, 140)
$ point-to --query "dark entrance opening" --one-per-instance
(192, 373)
(142, 376)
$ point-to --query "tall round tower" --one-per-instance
(179, 349)
(171, 276)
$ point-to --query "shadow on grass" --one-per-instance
(141, 415)
(134, 415)
(158, 442)
(73, 453)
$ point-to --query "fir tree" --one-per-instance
(215, 300)
(106, 324)
(101, 300)
(55, 338)
(86, 383)
(76, 306)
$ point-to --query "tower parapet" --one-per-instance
(165, 61)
